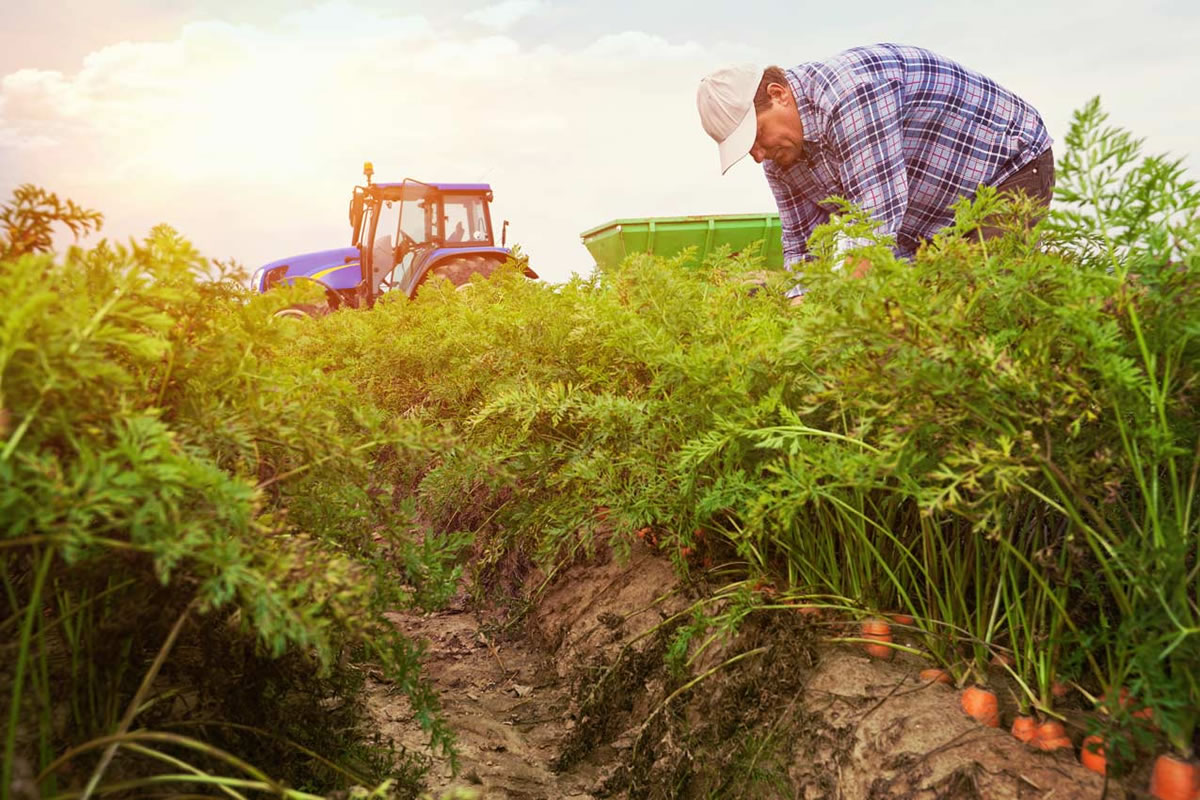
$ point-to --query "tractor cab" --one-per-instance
(402, 235)
(403, 230)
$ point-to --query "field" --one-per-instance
(659, 523)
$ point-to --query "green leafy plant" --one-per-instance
(28, 221)
(181, 507)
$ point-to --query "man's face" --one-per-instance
(780, 133)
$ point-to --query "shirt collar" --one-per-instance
(804, 106)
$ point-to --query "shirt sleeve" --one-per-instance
(868, 144)
(798, 217)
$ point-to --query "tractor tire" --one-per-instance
(303, 311)
(459, 270)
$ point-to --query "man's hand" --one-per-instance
(860, 269)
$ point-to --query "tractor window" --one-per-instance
(465, 220)
(415, 222)
(398, 274)
(399, 230)
(383, 250)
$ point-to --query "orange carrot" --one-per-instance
(1050, 735)
(902, 619)
(1125, 700)
(1175, 779)
(981, 705)
(935, 675)
(1091, 755)
(879, 631)
(1023, 729)
(1050, 729)
(1059, 690)
(1057, 743)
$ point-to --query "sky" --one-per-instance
(244, 123)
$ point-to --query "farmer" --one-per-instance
(900, 131)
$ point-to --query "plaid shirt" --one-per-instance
(903, 133)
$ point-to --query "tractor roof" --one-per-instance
(479, 188)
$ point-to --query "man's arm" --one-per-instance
(798, 216)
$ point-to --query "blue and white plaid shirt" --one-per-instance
(903, 133)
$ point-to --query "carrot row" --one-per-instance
(1171, 779)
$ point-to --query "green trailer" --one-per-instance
(611, 242)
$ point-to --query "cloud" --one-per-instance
(504, 15)
(635, 47)
(35, 95)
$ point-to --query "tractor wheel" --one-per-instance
(303, 311)
(459, 270)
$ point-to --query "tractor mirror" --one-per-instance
(356, 217)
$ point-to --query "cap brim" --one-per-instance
(738, 144)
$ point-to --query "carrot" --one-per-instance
(879, 631)
(1175, 779)
(935, 675)
(1125, 700)
(1023, 729)
(1050, 729)
(1057, 743)
(1059, 690)
(1091, 755)
(1003, 660)
(902, 619)
(981, 705)
(1050, 735)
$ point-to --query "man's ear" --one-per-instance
(779, 93)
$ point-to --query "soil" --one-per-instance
(577, 701)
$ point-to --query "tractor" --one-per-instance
(402, 235)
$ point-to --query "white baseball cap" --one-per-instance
(726, 103)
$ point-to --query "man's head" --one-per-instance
(748, 111)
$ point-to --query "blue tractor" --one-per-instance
(402, 234)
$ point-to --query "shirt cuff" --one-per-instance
(844, 244)
(799, 289)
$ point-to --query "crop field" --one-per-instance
(232, 541)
